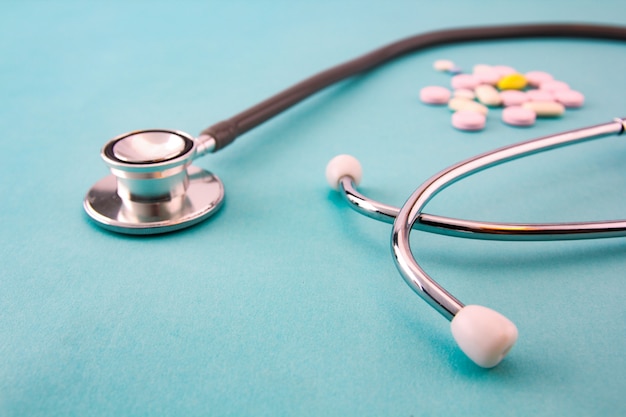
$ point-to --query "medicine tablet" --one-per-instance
(468, 120)
(488, 95)
(467, 81)
(535, 78)
(478, 68)
(540, 95)
(553, 86)
(545, 108)
(457, 104)
(512, 82)
(513, 97)
(464, 93)
(443, 65)
(435, 94)
(488, 77)
(504, 70)
(518, 116)
(570, 98)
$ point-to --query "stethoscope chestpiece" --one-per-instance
(153, 188)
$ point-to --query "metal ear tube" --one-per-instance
(483, 334)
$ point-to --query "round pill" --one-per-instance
(455, 70)
(468, 120)
(540, 95)
(512, 82)
(553, 85)
(443, 65)
(464, 93)
(504, 70)
(518, 116)
(457, 104)
(535, 78)
(570, 98)
(545, 108)
(488, 95)
(464, 81)
(513, 97)
(435, 94)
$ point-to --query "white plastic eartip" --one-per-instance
(341, 166)
(483, 334)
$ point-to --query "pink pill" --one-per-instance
(435, 94)
(535, 78)
(570, 98)
(464, 93)
(488, 77)
(468, 120)
(513, 97)
(518, 116)
(504, 70)
(553, 85)
(464, 81)
(540, 95)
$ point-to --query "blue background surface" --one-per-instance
(287, 302)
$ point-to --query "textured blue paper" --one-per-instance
(287, 302)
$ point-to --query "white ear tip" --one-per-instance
(483, 334)
(341, 166)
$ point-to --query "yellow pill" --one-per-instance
(512, 82)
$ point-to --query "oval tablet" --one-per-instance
(488, 95)
(468, 120)
(545, 108)
(513, 97)
(512, 82)
(443, 65)
(504, 70)
(488, 77)
(464, 81)
(457, 104)
(553, 86)
(570, 98)
(482, 68)
(535, 78)
(540, 95)
(464, 93)
(435, 94)
(518, 116)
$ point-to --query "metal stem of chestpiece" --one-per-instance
(204, 144)
(152, 187)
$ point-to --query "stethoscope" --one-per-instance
(153, 188)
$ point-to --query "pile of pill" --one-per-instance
(523, 96)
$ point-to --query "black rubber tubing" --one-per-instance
(226, 131)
